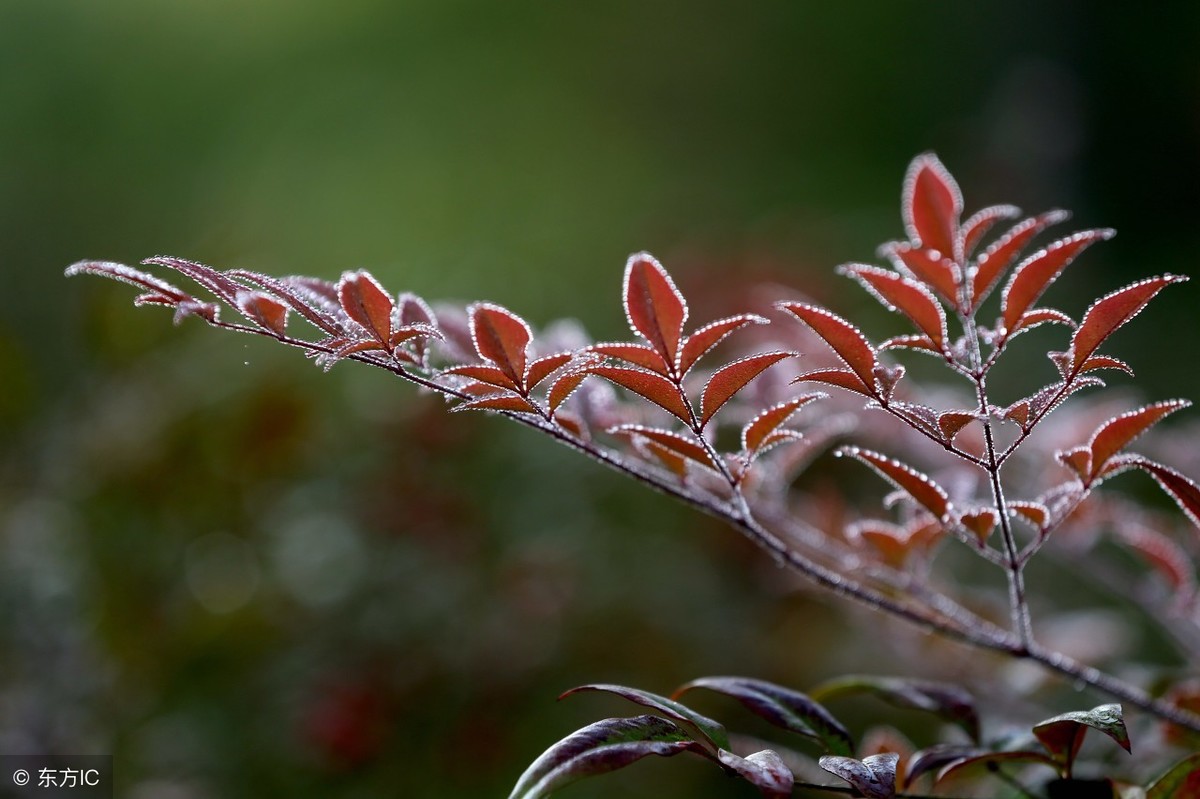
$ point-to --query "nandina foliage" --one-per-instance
(654, 407)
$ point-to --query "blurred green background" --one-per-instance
(245, 578)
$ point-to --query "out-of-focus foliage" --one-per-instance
(245, 580)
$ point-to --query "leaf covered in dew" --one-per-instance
(704, 339)
(764, 770)
(656, 388)
(641, 355)
(483, 373)
(926, 266)
(873, 777)
(563, 387)
(1035, 513)
(501, 337)
(364, 300)
(711, 732)
(543, 367)
(894, 544)
(221, 285)
(1180, 781)
(127, 274)
(1034, 275)
(1037, 317)
(498, 402)
(655, 309)
(980, 522)
(844, 338)
(911, 298)
(1097, 362)
(931, 204)
(841, 378)
(1180, 488)
(685, 447)
(1119, 432)
(996, 260)
(1063, 735)
(918, 342)
(599, 748)
(783, 707)
(977, 226)
(317, 311)
(759, 433)
(1163, 555)
(266, 311)
(1112, 311)
(917, 485)
(945, 700)
(732, 378)
(951, 423)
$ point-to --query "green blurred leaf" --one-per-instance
(783, 707)
(1182, 781)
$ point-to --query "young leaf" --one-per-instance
(758, 432)
(732, 378)
(981, 522)
(908, 296)
(1181, 781)
(920, 487)
(266, 311)
(928, 267)
(764, 770)
(665, 438)
(931, 204)
(599, 748)
(656, 388)
(564, 387)
(1063, 735)
(1035, 513)
(316, 311)
(1105, 362)
(1040, 316)
(1119, 432)
(945, 700)
(918, 342)
(873, 777)
(653, 305)
(501, 337)
(711, 732)
(842, 378)
(220, 284)
(365, 301)
(492, 375)
(127, 274)
(1111, 312)
(999, 257)
(499, 402)
(978, 225)
(636, 354)
(845, 339)
(1185, 493)
(540, 369)
(1035, 274)
(707, 337)
(783, 707)
(951, 423)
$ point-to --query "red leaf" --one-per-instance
(845, 339)
(501, 337)
(842, 378)
(318, 311)
(900, 293)
(1040, 316)
(920, 487)
(214, 280)
(636, 354)
(1077, 459)
(653, 305)
(930, 267)
(127, 274)
(1164, 555)
(975, 228)
(1035, 274)
(732, 378)
(1181, 489)
(540, 369)
(1105, 362)
(499, 402)
(265, 310)
(996, 260)
(1111, 312)
(1119, 432)
(564, 387)
(931, 204)
(895, 544)
(656, 388)
(1035, 513)
(483, 373)
(707, 337)
(981, 522)
(921, 343)
(415, 311)
(756, 434)
(669, 458)
(672, 441)
(951, 423)
(365, 301)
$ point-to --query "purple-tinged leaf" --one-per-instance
(783, 707)
(571, 423)
(365, 301)
(1181, 489)
(1112, 311)
(894, 544)
(600, 748)
(757, 433)
(873, 777)
(1035, 274)
(225, 288)
(637, 354)
(1119, 432)
(700, 342)
(301, 299)
(764, 770)
(1063, 735)
(732, 378)
(1078, 460)
(945, 700)
(499, 402)
(678, 444)
(127, 274)
(920, 487)
(407, 333)
(543, 367)
(711, 732)
(977, 226)
(908, 296)
(264, 310)
(655, 308)
(990, 761)
(656, 388)
(1181, 781)
(1004, 251)
(413, 312)
(844, 338)
(500, 336)
(931, 204)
